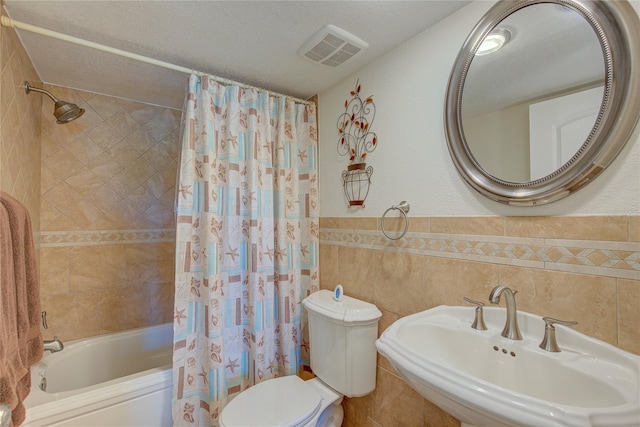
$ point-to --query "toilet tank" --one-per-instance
(342, 337)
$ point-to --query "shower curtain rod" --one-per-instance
(8, 22)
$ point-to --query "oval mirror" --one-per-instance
(543, 96)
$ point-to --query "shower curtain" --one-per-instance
(246, 244)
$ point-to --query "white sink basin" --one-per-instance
(484, 379)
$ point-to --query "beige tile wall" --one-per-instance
(19, 127)
(107, 239)
(100, 194)
(585, 269)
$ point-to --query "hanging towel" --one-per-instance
(20, 336)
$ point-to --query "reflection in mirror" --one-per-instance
(528, 108)
(582, 40)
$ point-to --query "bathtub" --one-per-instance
(119, 379)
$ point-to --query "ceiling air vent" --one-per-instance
(331, 46)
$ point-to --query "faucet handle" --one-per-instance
(478, 322)
(44, 319)
(549, 342)
(470, 301)
(550, 321)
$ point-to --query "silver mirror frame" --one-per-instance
(617, 27)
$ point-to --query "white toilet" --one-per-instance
(342, 337)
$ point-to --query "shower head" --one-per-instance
(64, 111)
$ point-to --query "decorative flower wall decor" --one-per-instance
(356, 140)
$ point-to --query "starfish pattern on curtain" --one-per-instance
(247, 244)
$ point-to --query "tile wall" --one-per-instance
(100, 194)
(19, 126)
(585, 269)
(107, 227)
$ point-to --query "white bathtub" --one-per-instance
(119, 379)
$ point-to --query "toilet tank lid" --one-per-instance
(350, 311)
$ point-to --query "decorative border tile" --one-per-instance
(600, 258)
(50, 239)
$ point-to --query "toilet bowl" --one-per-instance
(286, 402)
(342, 334)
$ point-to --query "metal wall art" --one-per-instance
(356, 140)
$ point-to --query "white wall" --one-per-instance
(412, 161)
(500, 141)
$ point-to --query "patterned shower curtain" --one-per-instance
(246, 244)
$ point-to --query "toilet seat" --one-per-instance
(285, 402)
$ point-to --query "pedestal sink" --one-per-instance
(484, 379)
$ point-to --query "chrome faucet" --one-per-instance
(54, 345)
(511, 329)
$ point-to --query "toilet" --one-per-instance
(342, 335)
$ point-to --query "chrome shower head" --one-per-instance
(64, 111)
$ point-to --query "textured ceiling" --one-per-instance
(552, 50)
(248, 41)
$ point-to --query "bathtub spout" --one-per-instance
(53, 345)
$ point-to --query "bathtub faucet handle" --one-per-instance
(44, 320)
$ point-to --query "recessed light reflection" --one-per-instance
(494, 41)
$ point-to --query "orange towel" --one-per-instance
(20, 336)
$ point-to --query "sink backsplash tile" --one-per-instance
(585, 269)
